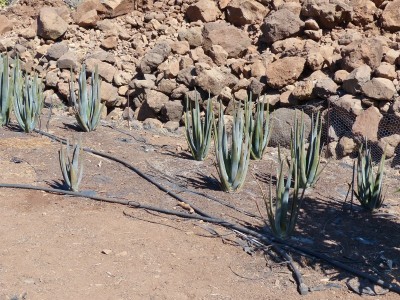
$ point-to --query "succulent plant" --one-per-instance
(233, 162)
(71, 165)
(261, 130)
(6, 90)
(307, 160)
(369, 186)
(28, 99)
(283, 210)
(87, 107)
(198, 130)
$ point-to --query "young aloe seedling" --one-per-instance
(28, 99)
(6, 90)
(233, 162)
(369, 187)
(261, 131)
(87, 107)
(307, 161)
(283, 210)
(71, 165)
(198, 130)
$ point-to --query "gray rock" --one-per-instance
(325, 87)
(109, 94)
(193, 36)
(280, 25)
(352, 84)
(57, 50)
(68, 61)
(172, 111)
(155, 57)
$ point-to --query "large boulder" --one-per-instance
(234, 40)
(283, 120)
(390, 17)
(242, 12)
(280, 25)
(365, 51)
(328, 13)
(379, 89)
(284, 71)
(151, 107)
(367, 124)
(363, 12)
(203, 10)
(50, 25)
(155, 57)
(86, 13)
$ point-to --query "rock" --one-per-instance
(367, 124)
(152, 124)
(234, 40)
(386, 70)
(106, 71)
(363, 12)
(110, 42)
(155, 57)
(286, 99)
(358, 77)
(303, 90)
(115, 8)
(325, 87)
(121, 78)
(346, 146)
(193, 36)
(311, 24)
(328, 13)
(57, 50)
(50, 25)
(315, 35)
(171, 126)
(86, 14)
(128, 114)
(284, 71)
(350, 104)
(156, 100)
(142, 84)
(391, 56)
(281, 24)
(68, 61)
(390, 17)
(102, 55)
(389, 144)
(51, 79)
(258, 69)
(379, 89)
(367, 51)
(203, 10)
(172, 111)
(5, 25)
(256, 87)
(340, 76)
(218, 55)
(109, 93)
(242, 12)
(180, 47)
(212, 80)
(166, 86)
(283, 120)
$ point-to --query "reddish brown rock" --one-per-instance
(367, 124)
(284, 71)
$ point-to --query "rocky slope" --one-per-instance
(342, 53)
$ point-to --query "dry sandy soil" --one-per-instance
(59, 247)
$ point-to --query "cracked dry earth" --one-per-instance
(59, 247)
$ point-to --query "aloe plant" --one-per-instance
(261, 130)
(198, 130)
(308, 160)
(283, 210)
(369, 186)
(71, 165)
(87, 107)
(233, 162)
(28, 99)
(6, 90)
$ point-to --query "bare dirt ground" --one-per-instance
(59, 247)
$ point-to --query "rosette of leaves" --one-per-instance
(198, 130)
(233, 161)
(261, 130)
(6, 90)
(283, 209)
(87, 106)
(369, 186)
(307, 159)
(28, 99)
(71, 165)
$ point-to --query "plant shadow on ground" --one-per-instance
(363, 240)
(201, 181)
